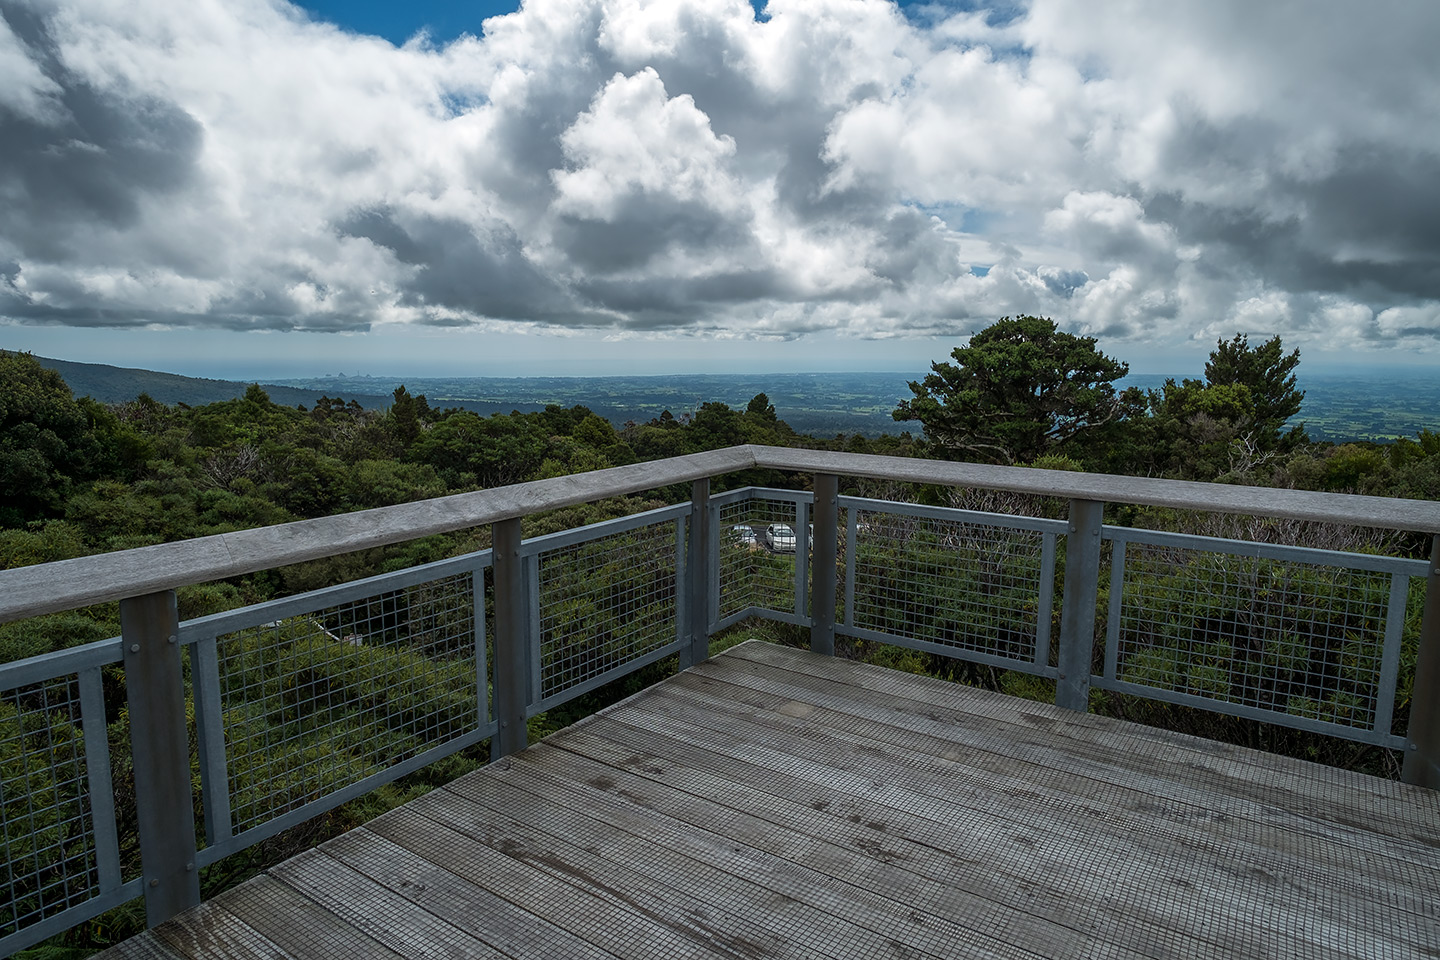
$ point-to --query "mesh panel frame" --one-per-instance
(327, 698)
(1292, 638)
(754, 575)
(956, 584)
(48, 846)
(604, 603)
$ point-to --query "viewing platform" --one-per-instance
(764, 802)
(775, 803)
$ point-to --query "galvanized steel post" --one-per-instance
(160, 749)
(1422, 756)
(822, 573)
(697, 576)
(512, 658)
(1077, 613)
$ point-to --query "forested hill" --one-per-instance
(109, 384)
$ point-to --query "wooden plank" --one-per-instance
(990, 755)
(958, 873)
(1329, 787)
(1314, 871)
(1083, 850)
(210, 930)
(676, 855)
(472, 908)
(1384, 512)
(69, 584)
(680, 893)
(1270, 848)
(300, 926)
(1399, 818)
(387, 917)
(607, 917)
(775, 856)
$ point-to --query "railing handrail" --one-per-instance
(1387, 513)
(68, 584)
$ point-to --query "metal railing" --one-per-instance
(297, 705)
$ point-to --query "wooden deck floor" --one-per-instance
(771, 803)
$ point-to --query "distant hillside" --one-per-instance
(120, 384)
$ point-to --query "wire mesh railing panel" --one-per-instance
(605, 603)
(1300, 639)
(48, 844)
(316, 701)
(757, 555)
(959, 585)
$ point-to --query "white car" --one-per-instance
(781, 537)
(743, 537)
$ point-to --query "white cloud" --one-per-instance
(1144, 172)
(635, 140)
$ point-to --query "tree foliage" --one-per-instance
(1267, 370)
(1020, 389)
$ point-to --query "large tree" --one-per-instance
(1021, 389)
(1269, 373)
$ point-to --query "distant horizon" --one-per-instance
(1339, 405)
(1304, 371)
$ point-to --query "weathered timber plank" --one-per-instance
(869, 844)
(776, 856)
(608, 918)
(209, 930)
(1103, 863)
(987, 779)
(1314, 786)
(298, 924)
(68, 584)
(1031, 890)
(1285, 877)
(366, 905)
(663, 849)
(472, 908)
(1410, 833)
(1421, 516)
(683, 894)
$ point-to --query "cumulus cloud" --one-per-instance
(1156, 173)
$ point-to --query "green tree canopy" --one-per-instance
(1019, 390)
(1269, 373)
(49, 441)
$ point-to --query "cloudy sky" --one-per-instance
(252, 188)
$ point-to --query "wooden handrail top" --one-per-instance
(69, 584)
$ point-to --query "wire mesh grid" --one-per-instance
(316, 702)
(1300, 639)
(758, 541)
(958, 584)
(605, 602)
(46, 826)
